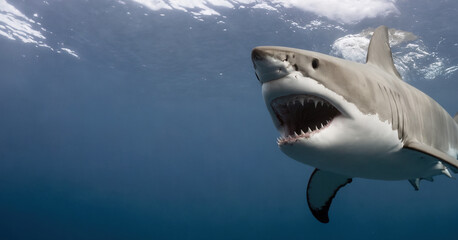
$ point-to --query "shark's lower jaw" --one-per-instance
(301, 116)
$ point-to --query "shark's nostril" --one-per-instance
(256, 55)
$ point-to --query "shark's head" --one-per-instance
(320, 104)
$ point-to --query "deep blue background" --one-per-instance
(160, 131)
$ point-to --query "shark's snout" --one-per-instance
(269, 67)
(257, 55)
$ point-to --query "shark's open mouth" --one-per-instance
(300, 116)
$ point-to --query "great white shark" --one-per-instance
(353, 120)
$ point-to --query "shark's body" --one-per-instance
(348, 119)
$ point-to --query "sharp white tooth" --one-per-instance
(316, 103)
(302, 132)
(302, 101)
(321, 125)
(295, 134)
(316, 127)
(309, 130)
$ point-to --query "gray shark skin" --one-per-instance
(349, 119)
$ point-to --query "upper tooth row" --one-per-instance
(307, 100)
(302, 100)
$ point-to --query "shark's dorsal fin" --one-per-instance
(379, 52)
(321, 189)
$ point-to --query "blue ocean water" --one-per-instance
(158, 130)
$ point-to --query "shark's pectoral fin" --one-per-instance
(443, 157)
(321, 189)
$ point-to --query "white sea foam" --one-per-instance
(265, 6)
(71, 52)
(350, 11)
(410, 54)
(352, 47)
(451, 70)
(313, 25)
(14, 25)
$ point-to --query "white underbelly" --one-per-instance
(400, 165)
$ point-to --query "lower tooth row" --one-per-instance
(291, 138)
(296, 135)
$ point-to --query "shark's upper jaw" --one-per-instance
(301, 116)
(298, 111)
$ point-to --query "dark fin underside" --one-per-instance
(321, 190)
(379, 52)
(416, 182)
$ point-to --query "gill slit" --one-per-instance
(403, 119)
(396, 105)
(397, 114)
(387, 98)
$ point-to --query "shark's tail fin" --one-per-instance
(456, 117)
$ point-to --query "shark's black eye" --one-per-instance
(315, 63)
